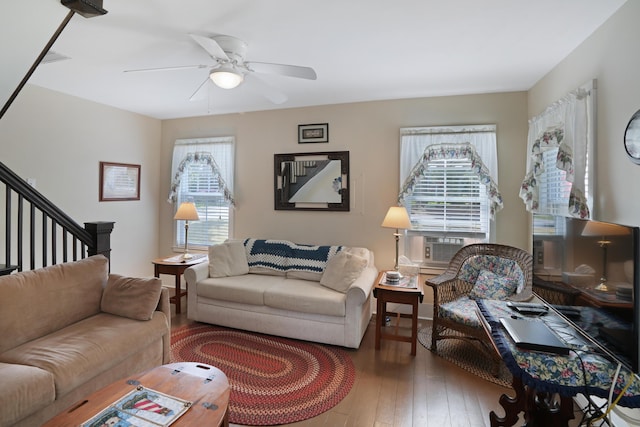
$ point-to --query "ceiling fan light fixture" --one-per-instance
(226, 77)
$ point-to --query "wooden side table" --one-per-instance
(175, 266)
(399, 295)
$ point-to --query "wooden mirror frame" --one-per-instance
(281, 201)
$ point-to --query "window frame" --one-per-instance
(414, 143)
(225, 166)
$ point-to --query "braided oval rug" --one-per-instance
(273, 380)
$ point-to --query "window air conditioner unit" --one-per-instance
(440, 253)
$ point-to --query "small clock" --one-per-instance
(632, 138)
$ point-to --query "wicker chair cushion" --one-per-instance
(461, 310)
(492, 286)
(504, 267)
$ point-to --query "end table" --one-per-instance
(176, 266)
(385, 293)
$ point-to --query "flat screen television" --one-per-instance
(597, 264)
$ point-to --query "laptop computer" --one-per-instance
(533, 335)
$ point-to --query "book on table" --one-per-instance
(402, 282)
(141, 407)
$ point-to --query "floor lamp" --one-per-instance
(187, 212)
(398, 218)
(603, 230)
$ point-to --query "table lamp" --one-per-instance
(602, 230)
(187, 212)
(398, 218)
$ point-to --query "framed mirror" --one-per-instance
(632, 138)
(312, 181)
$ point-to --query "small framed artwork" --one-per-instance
(313, 133)
(119, 181)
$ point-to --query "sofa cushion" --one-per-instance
(506, 267)
(131, 297)
(37, 302)
(76, 354)
(306, 297)
(228, 259)
(342, 270)
(362, 253)
(492, 286)
(247, 289)
(24, 390)
(462, 310)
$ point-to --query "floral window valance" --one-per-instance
(202, 158)
(454, 151)
(567, 125)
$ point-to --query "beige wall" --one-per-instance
(59, 140)
(610, 56)
(370, 132)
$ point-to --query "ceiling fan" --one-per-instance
(230, 68)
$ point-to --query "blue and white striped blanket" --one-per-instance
(282, 255)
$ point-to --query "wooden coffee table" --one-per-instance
(204, 385)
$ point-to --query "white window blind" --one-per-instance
(203, 171)
(449, 198)
(201, 186)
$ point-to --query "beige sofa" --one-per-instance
(314, 293)
(70, 329)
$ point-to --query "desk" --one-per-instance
(206, 386)
(399, 295)
(538, 377)
(175, 266)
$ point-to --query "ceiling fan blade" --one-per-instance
(211, 46)
(179, 67)
(284, 70)
(200, 92)
(271, 93)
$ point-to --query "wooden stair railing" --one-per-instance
(50, 236)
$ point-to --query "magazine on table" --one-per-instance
(142, 407)
(403, 282)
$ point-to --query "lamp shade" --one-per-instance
(226, 77)
(397, 217)
(601, 229)
(187, 211)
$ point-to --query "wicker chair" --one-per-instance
(451, 290)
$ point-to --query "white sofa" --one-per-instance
(276, 287)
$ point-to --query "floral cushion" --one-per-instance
(504, 267)
(462, 310)
(491, 286)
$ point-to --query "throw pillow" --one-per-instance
(228, 259)
(342, 270)
(492, 286)
(131, 297)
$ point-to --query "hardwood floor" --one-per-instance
(394, 389)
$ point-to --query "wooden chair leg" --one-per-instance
(434, 337)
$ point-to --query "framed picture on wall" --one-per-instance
(119, 181)
(313, 133)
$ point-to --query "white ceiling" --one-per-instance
(360, 49)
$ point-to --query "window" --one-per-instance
(449, 191)
(554, 189)
(449, 198)
(203, 174)
(560, 149)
